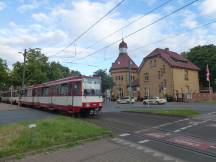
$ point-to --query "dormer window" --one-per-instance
(118, 62)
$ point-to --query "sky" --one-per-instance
(53, 24)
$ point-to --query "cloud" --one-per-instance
(208, 8)
(57, 27)
(2, 6)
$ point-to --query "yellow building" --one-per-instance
(161, 73)
(166, 73)
(121, 69)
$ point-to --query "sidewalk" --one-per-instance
(97, 151)
(8, 107)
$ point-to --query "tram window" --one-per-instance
(38, 91)
(45, 91)
(63, 90)
(24, 92)
(34, 92)
(76, 88)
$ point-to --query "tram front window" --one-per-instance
(92, 87)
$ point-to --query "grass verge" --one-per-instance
(169, 112)
(16, 139)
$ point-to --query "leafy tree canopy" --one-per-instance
(39, 69)
(107, 82)
(201, 56)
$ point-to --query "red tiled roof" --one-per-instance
(172, 58)
(123, 62)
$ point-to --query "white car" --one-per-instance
(154, 100)
(125, 100)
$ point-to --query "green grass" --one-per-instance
(186, 112)
(16, 139)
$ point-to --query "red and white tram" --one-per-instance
(72, 94)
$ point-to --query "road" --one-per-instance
(12, 114)
(188, 139)
(201, 107)
(152, 137)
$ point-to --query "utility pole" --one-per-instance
(130, 79)
(24, 68)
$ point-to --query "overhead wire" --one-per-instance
(90, 27)
(140, 29)
(128, 24)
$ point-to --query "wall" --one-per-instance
(154, 81)
(196, 97)
(183, 86)
(123, 84)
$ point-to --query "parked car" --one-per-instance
(125, 100)
(154, 100)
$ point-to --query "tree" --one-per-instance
(4, 75)
(75, 73)
(107, 82)
(39, 70)
(57, 71)
(201, 56)
(36, 68)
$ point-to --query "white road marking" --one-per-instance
(178, 130)
(124, 134)
(143, 141)
(213, 147)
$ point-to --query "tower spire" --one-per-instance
(123, 47)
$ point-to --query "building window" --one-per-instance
(116, 77)
(155, 63)
(163, 69)
(121, 77)
(159, 74)
(151, 63)
(165, 83)
(146, 76)
(186, 74)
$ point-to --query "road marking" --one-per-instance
(178, 130)
(213, 147)
(124, 134)
(143, 141)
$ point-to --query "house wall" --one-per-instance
(154, 84)
(123, 84)
(183, 85)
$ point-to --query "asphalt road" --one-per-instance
(12, 114)
(201, 107)
(188, 139)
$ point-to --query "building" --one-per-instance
(161, 73)
(166, 73)
(121, 69)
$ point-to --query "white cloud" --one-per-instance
(54, 29)
(208, 8)
(189, 19)
(40, 17)
(2, 6)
